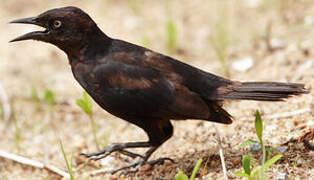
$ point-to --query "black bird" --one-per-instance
(141, 86)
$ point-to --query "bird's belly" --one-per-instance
(130, 104)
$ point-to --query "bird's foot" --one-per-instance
(110, 149)
(130, 167)
(135, 166)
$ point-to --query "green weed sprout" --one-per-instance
(182, 176)
(49, 97)
(257, 172)
(69, 165)
(171, 33)
(86, 105)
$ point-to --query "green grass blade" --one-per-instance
(82, 105)
(259, 133)
(248, 143)
(49, 97)
(85, 104)
(246, 164)
(272, 161)
(196, 168)
(180, 175)
(241, 174)
(69, 166)
(259, 126)
(171, 36)
(256, 171)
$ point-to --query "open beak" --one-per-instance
(35, 35)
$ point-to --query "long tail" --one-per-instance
(260, 91)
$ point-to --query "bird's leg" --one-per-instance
(120, 148)
(117, 147)
(137, 164)
(157, 133)
(130, 154)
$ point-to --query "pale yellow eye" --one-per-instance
(57, 23)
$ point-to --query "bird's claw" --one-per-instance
(132, 167)
(96, 156)
(136, 166)
(105, 152)
(160, 161)
(130, 154)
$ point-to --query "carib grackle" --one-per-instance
(141, 86)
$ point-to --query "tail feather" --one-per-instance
(260, 91)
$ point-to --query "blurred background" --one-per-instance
(262, 40)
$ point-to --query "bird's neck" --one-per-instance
(94, 45)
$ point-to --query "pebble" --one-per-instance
(255, 147)
(282, 149)
(213, 164)
(276, 43)
(275, 140)
(300, 161)
(308, 20)
(281, 176)
(306, 65)
(235, 160)
(242, 64)
(252, 3)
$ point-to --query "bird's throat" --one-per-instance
(96, 44)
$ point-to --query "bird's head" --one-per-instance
(64, 27)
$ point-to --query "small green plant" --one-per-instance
(257, 172)
(69, 165)
(248, 142)
(49, 97)
(86, 105)
(182, 176)
(171, 33)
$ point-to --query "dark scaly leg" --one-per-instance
(117, 147)
(137, 164)
(157, 133)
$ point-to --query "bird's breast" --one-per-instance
(84, 75)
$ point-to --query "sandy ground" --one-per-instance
(277, 35)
